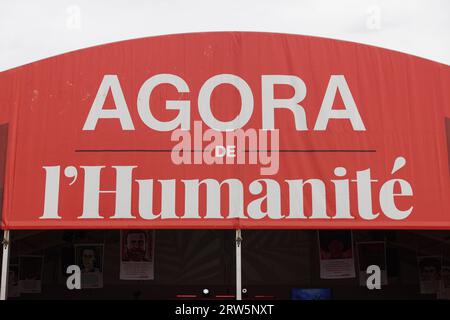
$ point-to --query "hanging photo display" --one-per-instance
(372, 253)
(30, 273)
(137, 254)
(89, 257)
(336, 254)
(13, 281)
(429, 273)
(444, 288)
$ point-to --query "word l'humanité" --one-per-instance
(264, 200)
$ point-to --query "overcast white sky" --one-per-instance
(34, 29)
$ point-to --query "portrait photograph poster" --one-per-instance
(30, 273)
(89, 257)
(371, 253)
(444, 288)
(137, 254)
(429, 273)
(13, 283)
(336, 254)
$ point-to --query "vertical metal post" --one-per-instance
(5, 267)
(238, 265)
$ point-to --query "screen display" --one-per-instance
(311, 294)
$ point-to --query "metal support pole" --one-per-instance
(5, 266)
(238, 265)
